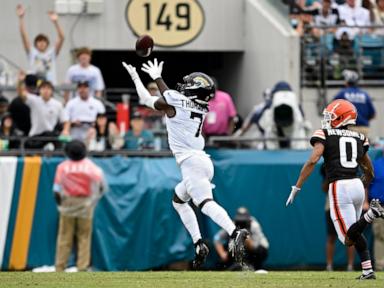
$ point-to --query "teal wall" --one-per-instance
(136, 228)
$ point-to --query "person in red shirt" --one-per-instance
(78, 185)
(221, 115)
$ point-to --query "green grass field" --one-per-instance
(187, 279)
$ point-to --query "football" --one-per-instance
(144, 46)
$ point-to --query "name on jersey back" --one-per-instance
(347, 133)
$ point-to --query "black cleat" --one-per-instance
(237, 245)
(376, 208)
(201, 253)
(370, 276)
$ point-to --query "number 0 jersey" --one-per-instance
(184, 129)
(343, 150)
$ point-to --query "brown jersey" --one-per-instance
(343, 150)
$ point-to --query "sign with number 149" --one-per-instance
(170, 22)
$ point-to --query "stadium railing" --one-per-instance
(323, 59)
(233, 142)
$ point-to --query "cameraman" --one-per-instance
(256, 245)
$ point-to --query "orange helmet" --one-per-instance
(338, 114)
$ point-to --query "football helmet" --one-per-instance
(338, 114)
(198, 87)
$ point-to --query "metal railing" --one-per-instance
(323, 60)
(235, 142)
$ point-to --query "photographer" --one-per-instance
(256, 245)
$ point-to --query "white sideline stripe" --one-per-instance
(8, 167)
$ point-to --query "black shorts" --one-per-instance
(331, 231)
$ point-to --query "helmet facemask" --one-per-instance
(328, 117)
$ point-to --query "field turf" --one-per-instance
(187, 279)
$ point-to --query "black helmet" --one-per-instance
(197, 86)
(75, 150)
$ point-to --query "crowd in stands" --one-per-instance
(48, 121)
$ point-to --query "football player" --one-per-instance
(185, 110)
(344, 150)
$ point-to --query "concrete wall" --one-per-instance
(223, 30)
(310, 108)
(272, 52)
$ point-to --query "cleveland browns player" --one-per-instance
(185, 110)
(344, 151)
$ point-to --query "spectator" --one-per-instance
(376, 191)
(4, 104)
(325, 15)
(84, 71)
(220, 120)
(331, 232)
(8, 129)
(378, 14)
(46, 113)
(80, 113)
(353, 15)
(42, 58)
(104, 136)
(78, 186)
(137, 138)
(359, 98)
(153, 119)
(281, 116)
(21, 114)
(256, 245)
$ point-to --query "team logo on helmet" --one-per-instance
(198, 87)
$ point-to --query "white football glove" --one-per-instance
(292, 196)
(131, 71)
(154, 68)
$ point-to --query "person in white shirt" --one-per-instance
(41, 57)
(352, 15)
(46, 112)
(80, 113)
(185, 110)
(84, 71)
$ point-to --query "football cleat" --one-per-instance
(369, 276)
(237, 245)
(201, 253)
(376, 208)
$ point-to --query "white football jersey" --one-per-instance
(184, 129)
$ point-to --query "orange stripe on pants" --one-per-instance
(25, 212)
(340, 219)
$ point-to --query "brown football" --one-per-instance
(144, 46)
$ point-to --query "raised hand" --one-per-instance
(53, 16)
(154, 69)
(20, 10)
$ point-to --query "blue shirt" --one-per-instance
(376, 190)
(144, 141)
(362, 102)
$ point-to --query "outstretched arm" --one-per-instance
(60, 33)
(307, 170)
(154, 102)
(20, 11)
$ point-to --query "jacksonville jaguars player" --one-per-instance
(344, 151)
(185, 110)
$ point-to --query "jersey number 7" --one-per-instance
(200, 117)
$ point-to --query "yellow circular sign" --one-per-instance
(170, 22)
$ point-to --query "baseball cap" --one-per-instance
(75, 150)
(3, 100)
(83, 83)
(136, 115)
(242, 215)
